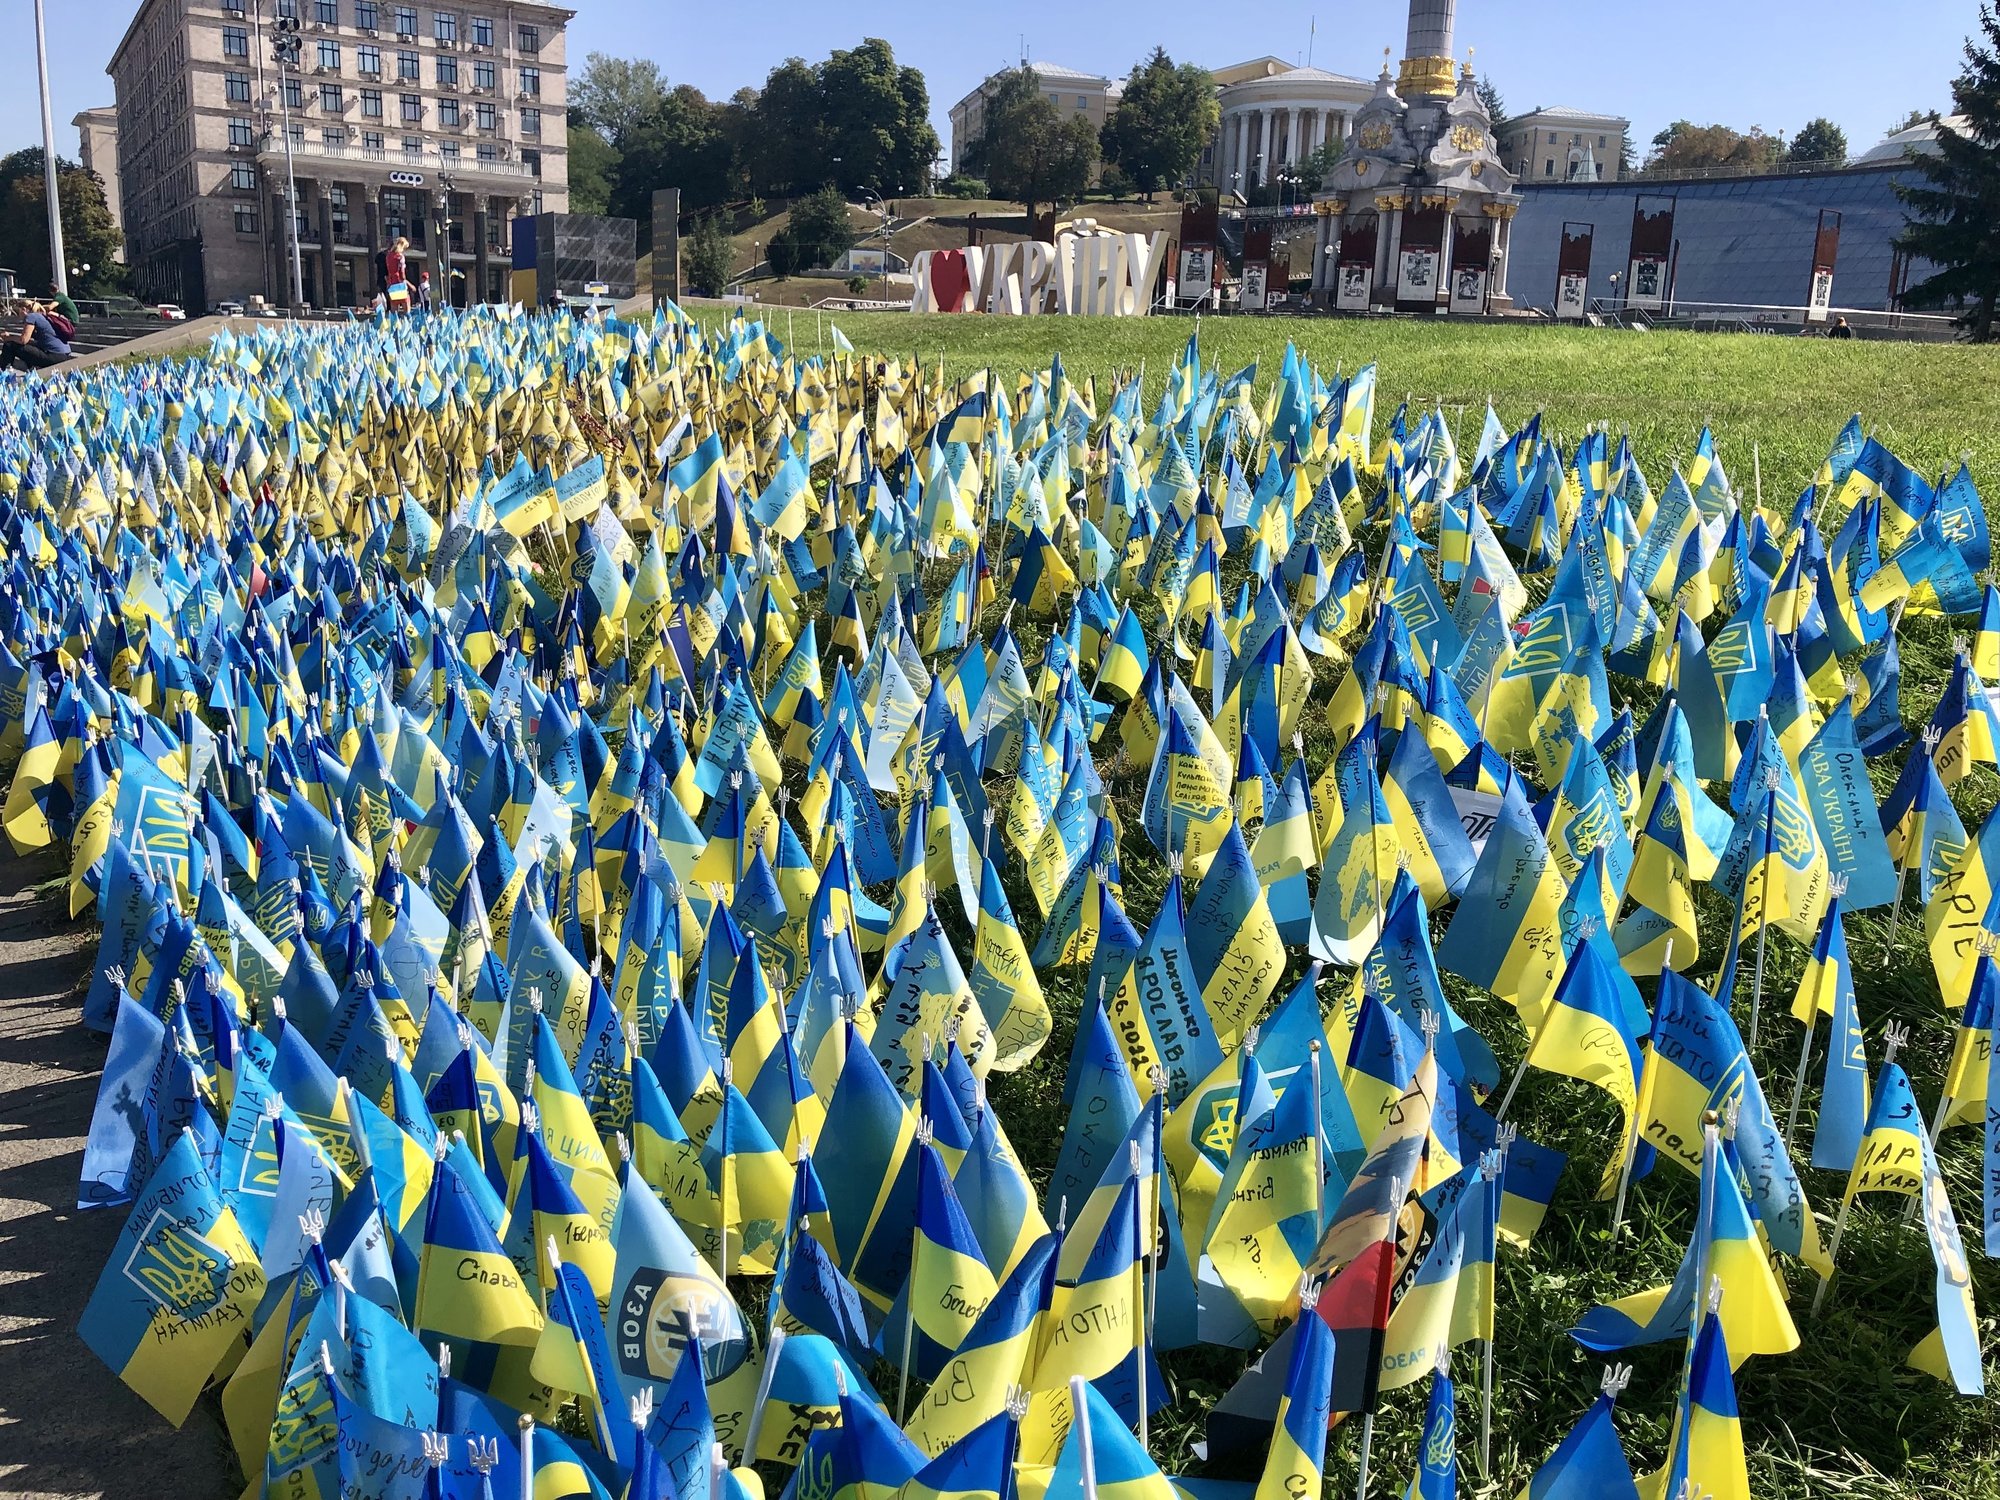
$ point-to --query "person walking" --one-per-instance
(396, 275)
(424, 291)
(37, 346)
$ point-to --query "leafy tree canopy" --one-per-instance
(1027, 150)
(89, 236)
(1953, 213)
(1818, 140)
(1166, 115)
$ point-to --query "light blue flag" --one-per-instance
(1843, 1100)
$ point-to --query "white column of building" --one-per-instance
(1244, 121)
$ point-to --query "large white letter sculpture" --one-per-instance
(1087, 270)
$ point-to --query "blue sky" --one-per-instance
(1774, 63)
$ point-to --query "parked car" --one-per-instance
(172, 312)
(119, 306)
(228, 309)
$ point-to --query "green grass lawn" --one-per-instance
(1787, 396)
(1843, 1415)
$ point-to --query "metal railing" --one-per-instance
(384, 157)
(1742, 169)
(1769, 317)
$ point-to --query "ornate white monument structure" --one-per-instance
(1416, 215)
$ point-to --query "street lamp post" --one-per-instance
(441, 293)
(285, 52)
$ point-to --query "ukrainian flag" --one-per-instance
(1293, 1464)
(1729, 1249)
(178, 1293)
(1590, 1462)
(467, 1288)
(1707, 1454)
(989, 1361)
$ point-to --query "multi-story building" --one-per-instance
(1275, 116)
(1555, 144)
(1072, 93)
(438, 122)
(97, 151)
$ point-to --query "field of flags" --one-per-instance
(579, 813)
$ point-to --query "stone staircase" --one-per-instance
(96, 334)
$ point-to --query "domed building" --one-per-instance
(1921, 138)
(1274, 116)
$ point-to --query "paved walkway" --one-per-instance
(68, 1428)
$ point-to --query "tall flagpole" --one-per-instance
(58, 263)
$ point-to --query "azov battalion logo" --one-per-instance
(661, 1311)
(177, 1268)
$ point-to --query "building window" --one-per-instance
(531, 83)
(1600, 143)
(482, 31)
(531, 122)
(232, 7)
(371, 142)
(448, 113)
(413, 109)
(330, 100)
(406, 20)
(1549, 167)
(368, 61)
(532, 160)
(448, 153)
(334, 140)
(407, 69)
(413, 148)
(237, 87)
(327, 12)
(444, 25)
(294, 93)
(482, 76)
(246, 218)
(367, 15)
(489, 118)
(298, 136)
(338, 195)
(528, 38)
(242, 177)
(1552, 137)
(288, 10)
(489, 153)
(371, 104)
(236, 41)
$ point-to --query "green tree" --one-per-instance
(593, 162)
(1028, 152)
(1686, 147)
(1818, 140)
(1321, 160)
(1954, 215)
(819, 233)
(1165, 116)
(1913, 119)
(614, 95)
(89, 236)
(1489, 95)
(679, 142)
(786, 149)
(708, 257)
(877, 118)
